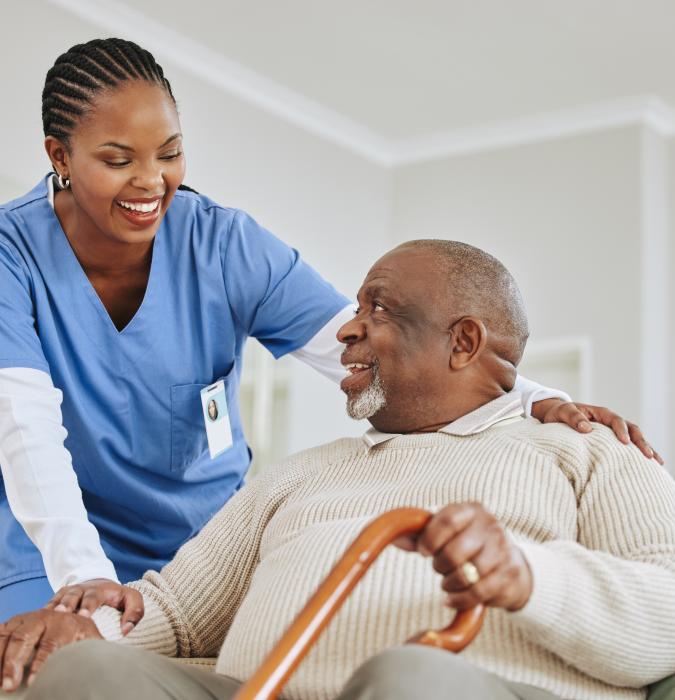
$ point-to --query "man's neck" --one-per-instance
(461, 404)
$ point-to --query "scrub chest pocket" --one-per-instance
(188, 436)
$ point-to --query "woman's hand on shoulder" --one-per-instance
(579, 415)
(86, 597)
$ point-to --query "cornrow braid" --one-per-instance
(86, 70)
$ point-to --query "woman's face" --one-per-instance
(125, 162)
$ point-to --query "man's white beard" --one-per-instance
(369, 401)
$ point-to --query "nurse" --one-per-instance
(125, 302)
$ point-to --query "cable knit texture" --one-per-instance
(595, 519)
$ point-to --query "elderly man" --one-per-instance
(568, 538)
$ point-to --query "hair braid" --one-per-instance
(116, 49)
(84, 71)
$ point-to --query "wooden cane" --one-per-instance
(289, 651)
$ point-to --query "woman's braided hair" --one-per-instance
(87, 69)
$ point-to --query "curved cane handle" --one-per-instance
(275, 670)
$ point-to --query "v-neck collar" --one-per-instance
(77, 272)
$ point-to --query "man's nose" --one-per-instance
(352, 331)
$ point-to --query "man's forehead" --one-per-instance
(405, 271)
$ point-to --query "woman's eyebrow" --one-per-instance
(123, 147)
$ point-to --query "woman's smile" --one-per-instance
(141, 213)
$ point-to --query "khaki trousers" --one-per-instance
(97, 670)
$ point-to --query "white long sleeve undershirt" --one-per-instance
(41, 484)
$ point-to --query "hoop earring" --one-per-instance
(64, 183)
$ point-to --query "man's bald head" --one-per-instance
(479, 285)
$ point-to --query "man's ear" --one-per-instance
(58, 155)
(468, 339)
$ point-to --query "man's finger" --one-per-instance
(133, 609)
(486, 561)
(491, 589)
(445, 525)
(406, 542)
(461, 548)
(48, 644)
(5, 631)
(18, 651)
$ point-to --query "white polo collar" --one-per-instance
(508, 407)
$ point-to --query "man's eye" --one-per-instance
(378, 307)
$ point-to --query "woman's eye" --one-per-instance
(171, 156)
(378, 307)
(117, 163)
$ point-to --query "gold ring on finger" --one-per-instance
(470, 572)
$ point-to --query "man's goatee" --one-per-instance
(369, 401)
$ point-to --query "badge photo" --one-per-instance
(216, 418)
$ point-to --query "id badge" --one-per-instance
(216, 418)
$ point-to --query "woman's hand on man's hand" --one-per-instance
(32, 638)
(84, 598)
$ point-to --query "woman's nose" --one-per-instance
(149, 177)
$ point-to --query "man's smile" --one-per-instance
(360, 375)
(355, 367)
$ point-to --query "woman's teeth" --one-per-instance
(142, 207)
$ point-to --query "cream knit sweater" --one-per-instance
(595, 519)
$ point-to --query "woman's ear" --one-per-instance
(467, 341)
(58, 155)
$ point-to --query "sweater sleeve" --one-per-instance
(40, 482)
(605, 604)
(191, 602)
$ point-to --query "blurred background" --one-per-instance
(541, 131)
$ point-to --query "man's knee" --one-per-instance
(664, 690)
(83, 670)
(411, 671)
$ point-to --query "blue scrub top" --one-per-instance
(131, 402)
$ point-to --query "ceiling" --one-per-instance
(406, 69)
(400, 81)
